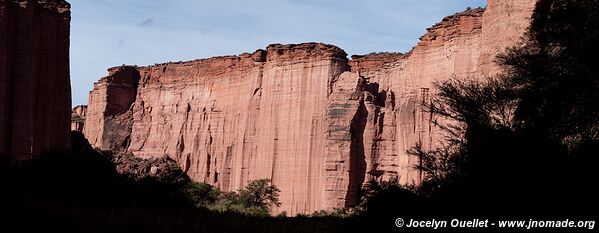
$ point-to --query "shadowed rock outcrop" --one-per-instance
(78, 118)
(317, 124)
(35, 91)
(109, 117)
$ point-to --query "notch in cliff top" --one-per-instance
(259, 55)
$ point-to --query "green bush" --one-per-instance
(202, 194)
(253, 200)
(226, 202)
(260, 193)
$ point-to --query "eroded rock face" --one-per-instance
(109, 119)
(450, 48)
(461, 46)
(78, 118)
(317, 124)
(504, 22)
(35, 99)
(227, 120)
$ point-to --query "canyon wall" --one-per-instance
(108, 117)
(227, 120)
(317, 124)
(35, 91)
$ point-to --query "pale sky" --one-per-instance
(107, 33)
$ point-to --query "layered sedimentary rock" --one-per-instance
(78, 118)
(227, 120)
(317, 124)
(108, 120)
(35, 99)
(504, 23)
(463, 45)
(450, 48)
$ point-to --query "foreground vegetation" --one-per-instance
(82, 191)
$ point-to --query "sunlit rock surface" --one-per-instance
(317, 124)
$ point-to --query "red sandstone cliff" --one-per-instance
(35, 86)
(305, 116)
(227, 120)
(462, 45)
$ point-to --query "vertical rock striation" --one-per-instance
(227, 120)
(109, 117)
(504, 23)
(35, 99)
(463, 45)
(317, 124)
(450, 48)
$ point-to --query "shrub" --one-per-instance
(260, 193)
(254, 200)
(202, 194)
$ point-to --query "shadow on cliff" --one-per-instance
(357, 157)
(81, 191)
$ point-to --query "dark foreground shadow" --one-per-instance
(81, 191)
